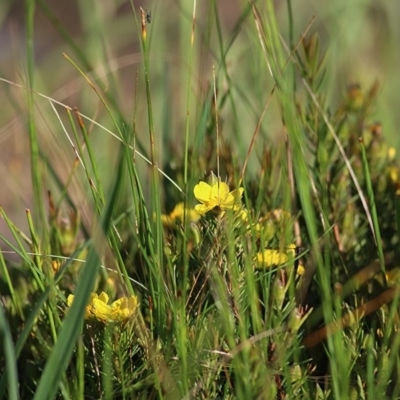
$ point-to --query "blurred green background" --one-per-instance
(360, 37)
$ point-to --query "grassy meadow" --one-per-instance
(199, 200)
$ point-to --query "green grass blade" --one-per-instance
(376, 229)
(33, 139)
(10, 369)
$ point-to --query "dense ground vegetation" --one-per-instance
(226, 232)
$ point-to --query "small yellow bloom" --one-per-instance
(391, 153)
(55, 264)
(178, 214)
(98, 307)
(300, 269)
(269, 258)
(393, 174)
(216, 195)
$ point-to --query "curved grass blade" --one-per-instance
(10, 370)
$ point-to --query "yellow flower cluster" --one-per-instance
(98, 307)
(217, 195)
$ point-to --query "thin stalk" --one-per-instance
(155, 182)
(148, 92)
(189, 89)
(35, 247)
(89, 149)
(374, 213)
(9, 370)
(33, 140)
(6, 276)
(38, 262)
(291, 36)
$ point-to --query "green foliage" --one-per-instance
(237, 266)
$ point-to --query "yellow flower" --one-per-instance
(300, 269)
(178, 214)
(393, 174)
(269, 258)
(98, 307)
(55, 264)
(391, 153)
(216, 195)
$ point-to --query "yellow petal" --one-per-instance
(70, 299)
(123, 308)
(101, 310)
(394, 174)
(193, 215)
(301, 270)
(202, 192)
(132, 302)
(219, 192)
(243, 215)
(232, 199)
(203, 208)
(166, 220)
(103, 296)
(117, 303)
(177, 212)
